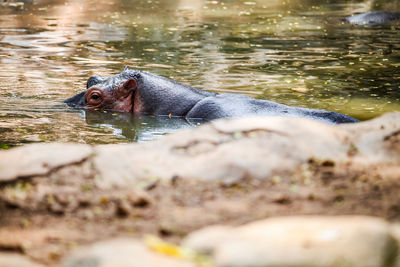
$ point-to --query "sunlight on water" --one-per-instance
(295, 52)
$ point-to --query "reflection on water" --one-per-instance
(137, 127)
(294, 52)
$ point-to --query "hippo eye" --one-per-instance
(94, 97)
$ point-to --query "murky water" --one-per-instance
(294, 52)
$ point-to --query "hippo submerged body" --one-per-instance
(373, 18)
(147, 93)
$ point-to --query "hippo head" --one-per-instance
(115, 93)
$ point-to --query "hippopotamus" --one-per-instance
(372, 18)
(147, 93)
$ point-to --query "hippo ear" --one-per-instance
(130, 84)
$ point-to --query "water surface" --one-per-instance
(294, 52)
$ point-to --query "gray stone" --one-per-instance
(224, 150)
(39, 159)
(16, 260)
(121, 252)
(395, 230)
(299, 241)
(230, 150)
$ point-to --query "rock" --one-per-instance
(224, 150)
(207, 239)
(120, 252)
(14, 259)
(39, 159)
(230, 150)
(299, 241)
(395, 229)
(185, 154)
(16, 239)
